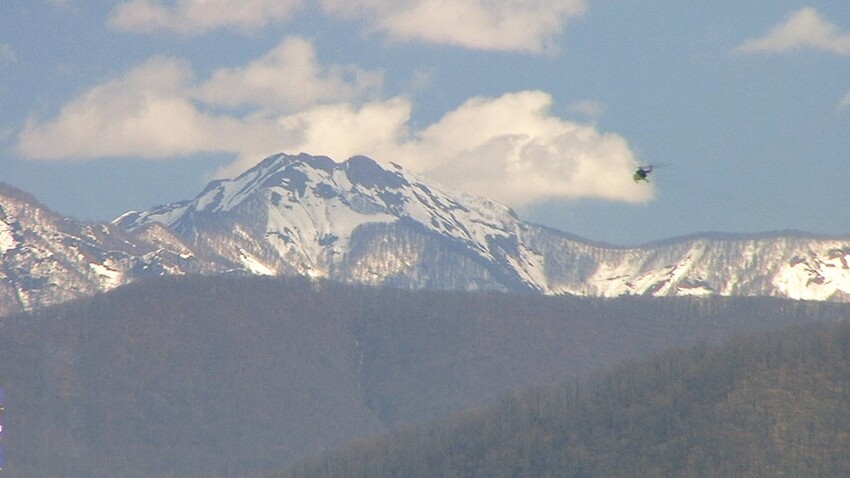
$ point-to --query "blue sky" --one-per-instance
(544, 105)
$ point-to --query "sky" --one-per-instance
(547, 106)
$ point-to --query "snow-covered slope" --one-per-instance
(46, 258)
(358, 221)
(353, 221)
(790, 265)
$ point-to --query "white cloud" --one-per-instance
(510, 148)
(193, 17)
(157, 110)
(118, 117)
(288, 78)
(804, 28)
(506, 25)
(146, 113)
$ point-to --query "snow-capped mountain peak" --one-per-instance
(306, 208)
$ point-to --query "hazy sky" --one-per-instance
(544, 105)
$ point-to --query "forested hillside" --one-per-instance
(768, 406)
(235, 376)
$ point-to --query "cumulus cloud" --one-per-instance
(145, 113)
(510, 148)
(159, 110)
(505, 25)
(194, 17)
(804, 28)
(288, 78)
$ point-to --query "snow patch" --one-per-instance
(109, 278)
(694, 290)
(815, 277)
(254, 265)
(7, 239)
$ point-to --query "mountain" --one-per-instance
(46, 258)
(765, 406)
(357, 221)
(223, 376)
(787, 265)
(360, 222)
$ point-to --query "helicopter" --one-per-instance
(642, 172)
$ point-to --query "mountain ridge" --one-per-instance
(47, 258)
(520, 256)
(359, 221)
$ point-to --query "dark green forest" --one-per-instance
(242, 376)
(775, 405)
